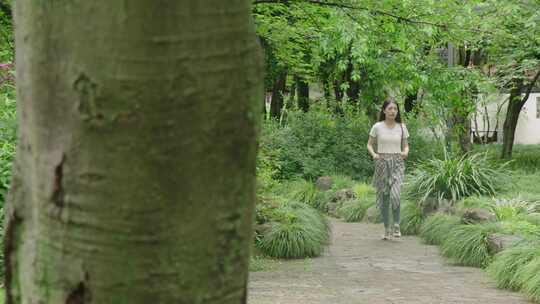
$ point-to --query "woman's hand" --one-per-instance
(404, 155)
(376, 156)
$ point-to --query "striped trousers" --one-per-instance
(387, 180)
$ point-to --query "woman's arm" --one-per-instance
(405, 152)
(370, 142)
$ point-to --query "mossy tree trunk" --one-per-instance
(134, 177)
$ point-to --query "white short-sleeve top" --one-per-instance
(388, 139)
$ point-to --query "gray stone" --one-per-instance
(343, 195)
(373, 215)
(477, 215)
(324, 183)
(264, 228)
(332, 208)
(498, 242)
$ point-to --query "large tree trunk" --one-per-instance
(515, 103)
(278, 90)
(134, 176)
(302, 88)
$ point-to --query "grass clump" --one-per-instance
(300, 231)
(354, 210)
(456, 177)
(529, 275)
(412, 218)
(507, 209)
(436, 228)
(468, 244)
(507, 266)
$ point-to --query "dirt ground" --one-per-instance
(360, 268)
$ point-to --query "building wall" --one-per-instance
(528, 127)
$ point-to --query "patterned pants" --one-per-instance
(388, 177)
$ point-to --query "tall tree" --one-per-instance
(135, 168)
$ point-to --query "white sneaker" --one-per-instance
(387, 235)
(397, 231)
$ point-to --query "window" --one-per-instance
(538, 107)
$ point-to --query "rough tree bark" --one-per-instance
(135, 167)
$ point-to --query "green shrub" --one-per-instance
(412, 218)
(533, 218)
(318, 143)
(508, 264)
(524, 157)
(505, 209)
(468, 244)
(363, 190)
(300, 231)
(7, 138)
(303, 191)
(341, 182)
(354, 210)
(529, 274)
(521, 227)
(436, 228)
(476, 201)
(455, 178)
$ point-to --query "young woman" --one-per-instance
(391, 135)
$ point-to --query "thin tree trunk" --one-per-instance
(302, 88)
(278, 89)
(134, 177)
(515, 103)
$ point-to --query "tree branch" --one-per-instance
(531, 86)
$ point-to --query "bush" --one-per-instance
(300, 231)
(507, 266)
(436, 228)
(455, 178)
(7, 137)
(524, 157)
(530, 276)
(506, 209)
(318, 143)
(468, 244)
(522, 228)
(412, 218)
(353, 211)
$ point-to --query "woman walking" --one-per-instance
(391, 135)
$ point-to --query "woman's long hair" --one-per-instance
(382, 116)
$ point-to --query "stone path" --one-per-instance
(360, 268)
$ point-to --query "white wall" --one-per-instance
(528, 127)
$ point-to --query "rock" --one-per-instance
(432, 205)
(343, 195)
(324, 183)
(429, 205)
(498, 242)
(373, 215)
(477, 215)
(263, 228)
(332, 208)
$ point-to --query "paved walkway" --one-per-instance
(360, 268)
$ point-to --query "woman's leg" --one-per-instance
(395, 203)
(384, 203)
